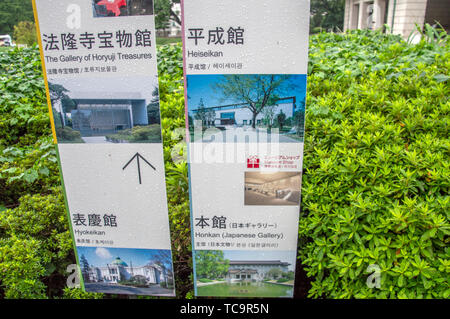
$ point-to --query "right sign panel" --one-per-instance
(245, 79)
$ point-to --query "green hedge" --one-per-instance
(376, 169)
(138, 134)
(375, 184)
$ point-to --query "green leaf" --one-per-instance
(30, 176)
(441, 78)
(400, 281)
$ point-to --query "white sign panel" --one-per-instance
(101, 71)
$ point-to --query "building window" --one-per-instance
(228, 115)
(245, 122)
(227, 118)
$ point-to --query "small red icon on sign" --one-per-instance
(253, 162)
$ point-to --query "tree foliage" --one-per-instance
(58, 96)
(12, 12)
(25, 33)
(257, 91)
(204, 114)
(274, 273)
(162, 16)
(165, 13)
(327, 15)
(281, 119)
(211, 264)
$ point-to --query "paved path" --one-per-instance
(127, 290)
(200, 284)
(247, 136)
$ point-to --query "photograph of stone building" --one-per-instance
(245, 273)
(255, 270)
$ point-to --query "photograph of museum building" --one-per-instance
(240, 114)
(106, 110)
(255, 270)
(227, 108)
(118, 270)
(245, 273)
(127, 270)
(97, 114)
(279, 188)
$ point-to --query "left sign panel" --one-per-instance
(99, 59)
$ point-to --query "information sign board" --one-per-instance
(245, 79)
(99, 59)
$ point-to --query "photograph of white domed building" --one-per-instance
(127, 271)
(118, 270)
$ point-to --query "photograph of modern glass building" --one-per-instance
(107, 111)
(97, 114)
(265, 104)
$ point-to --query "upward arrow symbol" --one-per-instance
(138, 156)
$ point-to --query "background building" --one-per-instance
(240, 115)
(400, 15)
